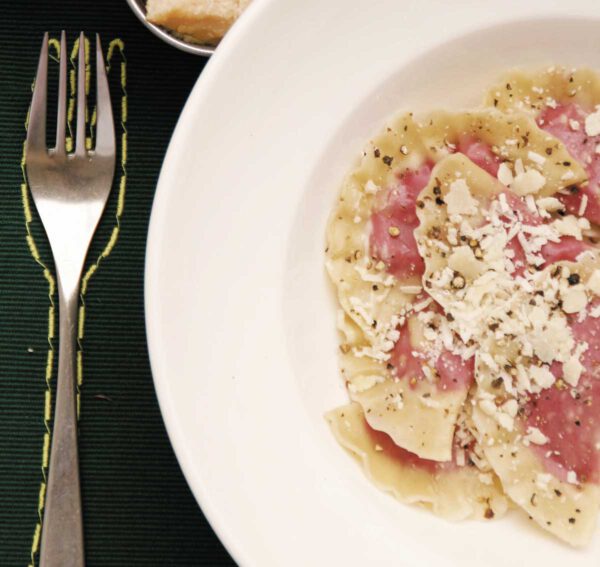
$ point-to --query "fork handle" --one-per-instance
(62, 527)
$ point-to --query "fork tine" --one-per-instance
(105, 128)
(80, 135)
(61, 115)
(36, 130)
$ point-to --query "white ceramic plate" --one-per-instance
(240, 317)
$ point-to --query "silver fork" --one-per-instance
(70, 192)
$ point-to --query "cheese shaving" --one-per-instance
(592, 123)
(459, 199)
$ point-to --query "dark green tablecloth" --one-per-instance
(138, 508)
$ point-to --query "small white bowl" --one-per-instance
(139, 9)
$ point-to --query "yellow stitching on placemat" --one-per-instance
(52, 44)
(55, 44)
(114, 44)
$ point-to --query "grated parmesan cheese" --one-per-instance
(363, 383)
(530, 181)
(542, 376)
(549, 204)
(370, 187)
(574, 299)
(459, 200)
(536, 158)
(505, 175)
(568, 226)
(542, 480)
(535, 436)
(411, 289)
(572, 369)
(592, 123)
(583, 205)
(572, 477)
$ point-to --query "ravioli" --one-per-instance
(417, 398)
(521, 325)
(538, 421)
(474, 232)
(437, 247)
(507, 145)
(564, 103)
(451, 490)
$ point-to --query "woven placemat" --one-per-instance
(138, 508)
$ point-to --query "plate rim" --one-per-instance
(209, 75)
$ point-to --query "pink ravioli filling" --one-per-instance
(570, 417)
(398, 209)
(454, 373)
(558, 122)
(567, 249)
(479, 153)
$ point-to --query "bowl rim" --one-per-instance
(240, 543)
(138, 8)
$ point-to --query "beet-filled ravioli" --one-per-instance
(536, 407)
(495, 262)
(438, 248)
(464, 487)
(566, 104)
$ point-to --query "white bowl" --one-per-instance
(239, 314)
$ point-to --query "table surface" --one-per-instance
(138, 508)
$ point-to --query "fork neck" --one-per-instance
(68, 289)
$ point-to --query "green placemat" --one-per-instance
(138, 508)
